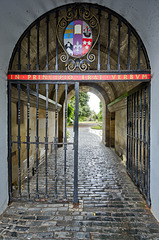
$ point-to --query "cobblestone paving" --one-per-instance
(110, 206)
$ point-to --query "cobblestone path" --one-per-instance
(110, 206)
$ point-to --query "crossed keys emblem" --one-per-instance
(78, 46)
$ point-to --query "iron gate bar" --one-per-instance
(128, 135)
(42, 143)
(76, 143)
(93, 72)
(148, 148)
(128, 138)
(139, 49)
(119, 28)
(56, 66)
(129, 36)
(137, 136)
(127, 150)
(134, 136)
(129, 132)
(28, 52)
(9, 141)
(65, 141)
(140, 137)
(37, 138)
(99, 16)
(19, 144)
(19, 56)
(47, 43)
(144, 138)
(109, 20)
(46, 140)
(37, 28)
(131, 135)
(28, 138)
(56, 141)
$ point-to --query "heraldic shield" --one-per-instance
(77, 38)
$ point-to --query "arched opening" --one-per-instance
(118, 48)
(43, 76)
(91, 121)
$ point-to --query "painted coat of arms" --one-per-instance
(77, 38)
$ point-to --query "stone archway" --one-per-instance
(99, 92)
(119, 55)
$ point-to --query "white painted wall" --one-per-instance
(17, 15)
(3, 143)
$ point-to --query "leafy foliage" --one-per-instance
(70, 112)
(84, 109)
(100, 114)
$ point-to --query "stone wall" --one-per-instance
(23, 133)
(121, 133)
(118, 129)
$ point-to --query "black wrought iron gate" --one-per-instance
(36, 168)
(138, 139)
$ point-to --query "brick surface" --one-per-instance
(110, 206)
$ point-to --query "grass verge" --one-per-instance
(97, 127)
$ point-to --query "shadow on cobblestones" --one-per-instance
(110, 206)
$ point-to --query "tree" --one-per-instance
(100, 114)
(84, 109)
(70, 113)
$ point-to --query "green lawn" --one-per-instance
(97, 127)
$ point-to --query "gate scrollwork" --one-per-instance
(83, 61)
